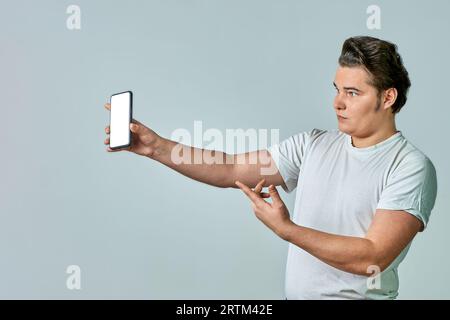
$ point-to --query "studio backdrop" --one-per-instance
(126, 226)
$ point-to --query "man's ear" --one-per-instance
(389, 97)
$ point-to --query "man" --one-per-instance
(364, 190)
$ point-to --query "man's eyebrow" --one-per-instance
(352, 88)
(347, 88)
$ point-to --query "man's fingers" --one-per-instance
(108, 106)
(249, 193)
(107, 141)
(118, 150)
(259, 186)
(107, 129)
(274, 194)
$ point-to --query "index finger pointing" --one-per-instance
(249, 192)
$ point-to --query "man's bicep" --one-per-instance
(390, 232)
(251, 167)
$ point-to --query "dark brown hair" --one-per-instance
(383, 63)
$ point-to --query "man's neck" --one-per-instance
(375, 138)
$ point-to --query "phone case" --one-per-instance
(130, 119)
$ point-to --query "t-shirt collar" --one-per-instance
(396, 136)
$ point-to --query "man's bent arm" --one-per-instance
(390, 232)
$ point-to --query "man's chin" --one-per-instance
(345, 129)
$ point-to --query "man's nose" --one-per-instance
(338, 102)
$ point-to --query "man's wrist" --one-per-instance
(157, 149)
(287, 231)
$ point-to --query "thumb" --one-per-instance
(136, 128)
(274, 194)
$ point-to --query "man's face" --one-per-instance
(358, 102)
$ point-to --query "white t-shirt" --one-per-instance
(339, 189)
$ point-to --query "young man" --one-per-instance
(364, 190)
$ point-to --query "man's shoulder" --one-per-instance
(313, 137)
(316, 132)
(410, 156)
(325, 136)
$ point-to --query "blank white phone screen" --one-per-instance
(120, 120)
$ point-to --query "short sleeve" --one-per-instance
(412, 187)
(288, 156)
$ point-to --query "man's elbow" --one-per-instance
(374, 261)
(371, 261)
(374, 266)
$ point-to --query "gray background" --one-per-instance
(139, 230)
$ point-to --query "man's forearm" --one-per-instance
(350, 254)
(207, 166)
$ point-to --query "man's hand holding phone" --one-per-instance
(144, 141)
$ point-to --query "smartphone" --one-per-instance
(120, 118)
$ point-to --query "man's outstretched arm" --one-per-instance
(215, 168)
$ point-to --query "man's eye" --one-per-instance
(353, 93)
